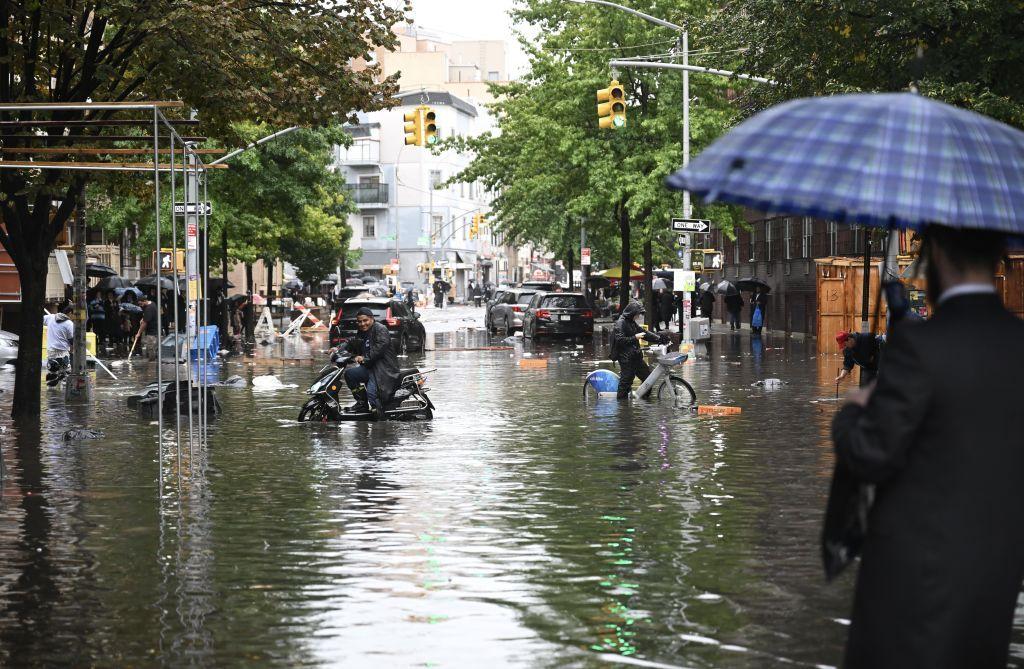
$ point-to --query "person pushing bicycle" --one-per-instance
(626, 336)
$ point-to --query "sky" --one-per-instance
(472, 19)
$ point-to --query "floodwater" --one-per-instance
(519, 528)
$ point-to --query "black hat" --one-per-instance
(364, 311)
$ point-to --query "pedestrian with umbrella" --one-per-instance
(733, 302)
(938, 441)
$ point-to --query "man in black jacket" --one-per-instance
(941, 436)
(626, 336)
(376, 366)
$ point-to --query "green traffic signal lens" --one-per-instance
(619, 121)
(432, 139)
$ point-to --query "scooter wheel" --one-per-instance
(312, 411)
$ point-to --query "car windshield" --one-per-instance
(524, 298)
(564, 302)
(349, 309)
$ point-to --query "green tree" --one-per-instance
(971, 52)
(280, 63)
(551, 166)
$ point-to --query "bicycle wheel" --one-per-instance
(683, 390)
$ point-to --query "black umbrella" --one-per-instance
(291, 284)
(665, 274)
(99, 271)
(597, 282)
(752, 283)
(112, 282)
(212, 283)
(151, 282)
(354, 282)
(727, 288)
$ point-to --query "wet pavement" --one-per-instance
(520, 527)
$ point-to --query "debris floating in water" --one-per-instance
(534, 363)
(79, 435)
(717, 410)
(270, 382)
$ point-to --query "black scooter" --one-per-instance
(409, 403)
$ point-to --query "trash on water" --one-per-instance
(769, 384)
(533, 363)
(717, 410)
(78, 435)
(270, 382)
(234, 381)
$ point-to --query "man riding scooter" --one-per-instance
(375, 376)
(626, 336)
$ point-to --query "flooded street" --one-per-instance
(521, 527)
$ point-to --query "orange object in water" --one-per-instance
(715, 410)
(535, 363)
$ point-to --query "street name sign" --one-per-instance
(691, 225)
(201, 208)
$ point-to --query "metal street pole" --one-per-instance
(79, 385)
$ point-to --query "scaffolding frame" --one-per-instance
(194, 173)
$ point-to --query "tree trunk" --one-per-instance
(247, 335)
(569, 266)
(27, 375)
(225, 316)
(625, 258)
(651, 305)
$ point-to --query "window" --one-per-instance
(805, 247)
(369, 226)
(768, 240)
(833, 238)
(736, 250)
(856, 232)
(436, 227)
(492, 75)
(753, 244)
(787, 239)
(435, 178)
(563, 302)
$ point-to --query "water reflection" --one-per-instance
(521, 527)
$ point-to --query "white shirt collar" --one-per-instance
(967, 289)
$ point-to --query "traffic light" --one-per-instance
(430, 127)
(414, 127)
(611, 107)
(474, 230)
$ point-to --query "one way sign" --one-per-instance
(691, 225)
(200, 208)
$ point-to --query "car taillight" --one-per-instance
(392, 322)
(516, 308)
(587, 314)
(543, 313)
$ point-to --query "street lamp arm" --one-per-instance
(461, 227)
(646, 17)
(688, 68)
(253, 145)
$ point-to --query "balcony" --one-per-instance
(361, 152)
(369, 195)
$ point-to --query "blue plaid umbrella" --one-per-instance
(891, 159)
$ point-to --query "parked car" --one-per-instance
(8, 347)
(507, 313)
(407, 332)
(540, 285)
(558, 314)
(498, 295)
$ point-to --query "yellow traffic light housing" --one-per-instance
(414, 127)
(429, 127)
(611, 108)
(474, 229)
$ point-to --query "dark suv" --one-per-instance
(407, 333)
(558, 314)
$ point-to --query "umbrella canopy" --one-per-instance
(705, 286)
(752, 283)
(212, 283)
(616, 273)
(727, 288)
(660, 284)
(291, 284)
(151, 282)
(353, 282)
(131, 308)
(890, 159)
(112, 283)
(665, 274)
(119, 292)
(97, 270)
(597, 282)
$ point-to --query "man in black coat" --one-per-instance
(626, 336)
(376, 366)
(941, 436)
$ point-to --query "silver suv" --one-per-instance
(507, 311)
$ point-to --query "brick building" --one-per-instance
(780, 250)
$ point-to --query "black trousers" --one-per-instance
(632, 368)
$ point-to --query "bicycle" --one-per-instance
(604, 382)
